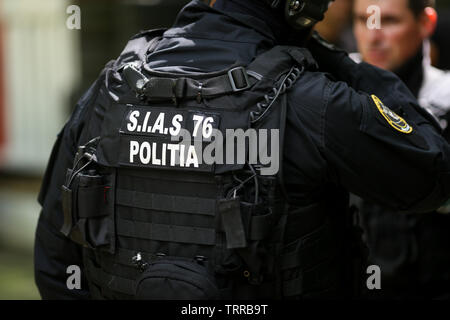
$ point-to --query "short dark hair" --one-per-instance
(417, 6)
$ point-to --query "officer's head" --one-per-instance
(300, 15)
(398, 35)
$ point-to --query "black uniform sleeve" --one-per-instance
(405, 166)
(399, 160)
(365, 77)
(53, 252)
(401, 170)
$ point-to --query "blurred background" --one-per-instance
(44, 69)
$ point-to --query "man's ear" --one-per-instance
(428, 22)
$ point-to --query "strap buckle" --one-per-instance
(231, 76)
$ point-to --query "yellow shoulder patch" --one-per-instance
(396, 122)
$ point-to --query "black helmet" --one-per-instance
(301, 14)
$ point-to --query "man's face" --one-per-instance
(398, 39)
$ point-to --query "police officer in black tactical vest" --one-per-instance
(213, 160)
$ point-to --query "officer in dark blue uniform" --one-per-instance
(349, 127)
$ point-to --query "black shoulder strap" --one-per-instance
(280, 59)
(286, 64)
(157, 86)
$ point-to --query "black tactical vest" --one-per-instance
(157, 222)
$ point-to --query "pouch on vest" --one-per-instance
(88, 207)
(250, 222)
(176, 279)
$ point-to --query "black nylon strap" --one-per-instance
(164, 202)
(238, 78)
(303, 57)
(67, 210)
(272, 63)
(158, 89)
(258, 226)
(168, 233)
(230, 213)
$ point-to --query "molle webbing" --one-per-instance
(160, 214)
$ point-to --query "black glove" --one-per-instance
(360, 76)
(332, 59)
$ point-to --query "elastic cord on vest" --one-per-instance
(286, 84)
